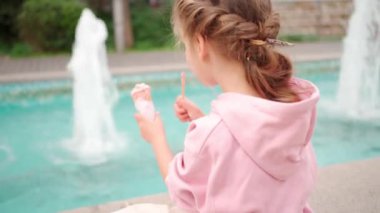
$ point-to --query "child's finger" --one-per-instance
(178, 98)
(179, 109)
(184, 118)
(183, 112)
(187, 104)
(184, 115)
(178, 105)
(178, 114)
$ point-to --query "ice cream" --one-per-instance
(143, 100)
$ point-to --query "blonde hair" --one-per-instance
(235, 27)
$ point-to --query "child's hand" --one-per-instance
(186, 110)
(151, 131)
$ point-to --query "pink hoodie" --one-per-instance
(248, 155)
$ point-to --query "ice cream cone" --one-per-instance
(142, 99)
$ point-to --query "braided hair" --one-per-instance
(240, 30)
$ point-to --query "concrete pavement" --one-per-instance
(54, 67)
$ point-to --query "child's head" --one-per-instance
(236, 29)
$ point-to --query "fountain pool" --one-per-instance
(37, 175)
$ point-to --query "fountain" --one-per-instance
(359, 86)
(94, 93)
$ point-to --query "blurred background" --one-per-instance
(35, 27)
(68, 138)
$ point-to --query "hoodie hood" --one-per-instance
(273, 134)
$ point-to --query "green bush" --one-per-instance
(107, 18)
(9, 10)
(20, 50)
(49, 25)
(151, 26)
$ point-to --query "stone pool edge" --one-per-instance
(297, 54)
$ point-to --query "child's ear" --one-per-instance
(202, 47)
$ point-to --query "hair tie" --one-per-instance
(276, 42)
(271, 41)
(258, 42)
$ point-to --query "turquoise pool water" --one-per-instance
(37, 175)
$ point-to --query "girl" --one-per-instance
(252, 152)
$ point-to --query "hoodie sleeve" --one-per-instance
(189, 170)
